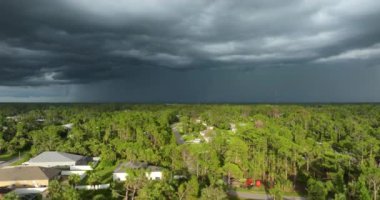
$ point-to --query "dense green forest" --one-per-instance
(316, 151)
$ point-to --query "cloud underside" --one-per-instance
(45, 42)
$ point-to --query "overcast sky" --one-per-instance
(190, 50)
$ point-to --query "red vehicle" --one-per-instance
(258, 183)
(249, 182)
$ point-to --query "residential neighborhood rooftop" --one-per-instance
(130, 165)
(55, 156)
(68, 126)
(153, 168)
(27, 173)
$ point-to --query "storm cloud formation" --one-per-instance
(190, 50)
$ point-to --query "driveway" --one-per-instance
(177, 135)
(9, 162)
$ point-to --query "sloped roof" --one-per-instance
(130, 165)
(55, 156)
(68, 126)
(27, 173)
(153, 168)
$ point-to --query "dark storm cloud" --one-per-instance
(290, 84)
(126, 43)
(48, 42)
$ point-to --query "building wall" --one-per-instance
(119, 176)
(154, 175)
(149, 175)
(25, 183)
(81, 168)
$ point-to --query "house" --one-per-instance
(152, 172)
(68, 126)
(57, 159)
(206, 134)
(195, 141)
(233, 127)
(41, 120)
(27, 176)
(13, 118)
(120, 173)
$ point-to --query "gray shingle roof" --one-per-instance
(55, 156)
(27, 173)
(130, 165)
(153, 168)
(122, 168)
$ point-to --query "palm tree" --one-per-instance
(55, 190)
(74, 179)
(136, 179)
(93, 179)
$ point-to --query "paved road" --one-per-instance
(178, 136)
(9, 162)
(248, 195)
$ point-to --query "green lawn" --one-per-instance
(25, 156)
(7, 156)
(103, 171)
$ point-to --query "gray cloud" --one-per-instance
(84, 42)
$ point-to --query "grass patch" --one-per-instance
(7, 156)
(103, 171)
(24, 157)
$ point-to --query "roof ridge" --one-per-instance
(41, 170)
(64, 154)
(56, 155)
(45, 171)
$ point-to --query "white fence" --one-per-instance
(21, 191)
(81, 168)
(92, 187)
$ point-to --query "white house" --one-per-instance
(40, 120)
(195, 141)
(68, 126)
(57, 159)
(207, 134)
(152, 172)
(27, 176)
(233, 127)
(13, 118)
